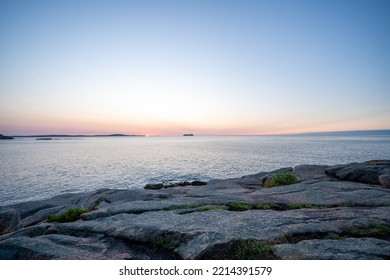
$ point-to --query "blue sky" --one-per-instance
(206, 67)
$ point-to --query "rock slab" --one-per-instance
(334, 212)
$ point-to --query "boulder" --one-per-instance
(367, 172)
(311, 172)
(173, 185)
(154, 186)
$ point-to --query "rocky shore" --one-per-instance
(328, 212)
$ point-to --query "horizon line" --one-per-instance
(386, 130)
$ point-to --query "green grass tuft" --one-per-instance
(162, 242)
(254, 250)
(304, 206)
(73, 214)
(282, 179)
(177, 207)
(69, 215)
(242, 206)
(378, 230)
(239, 206)
(210, 207)
(241, 249)
(335, 235)
(265, 206)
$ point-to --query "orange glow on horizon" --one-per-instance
(89, 129)
(40, 124)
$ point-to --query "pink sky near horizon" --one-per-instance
(90, 127)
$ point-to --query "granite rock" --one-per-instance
(210, 221)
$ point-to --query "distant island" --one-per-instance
(188, 134)
(80, 135)
(348, 133)
(3, 137)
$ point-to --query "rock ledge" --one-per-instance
(334, 212)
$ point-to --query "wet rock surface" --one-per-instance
(332, 213)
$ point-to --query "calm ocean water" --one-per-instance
(31, 169)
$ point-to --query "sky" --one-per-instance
(204, 67)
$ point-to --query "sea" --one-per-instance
(32, 169)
